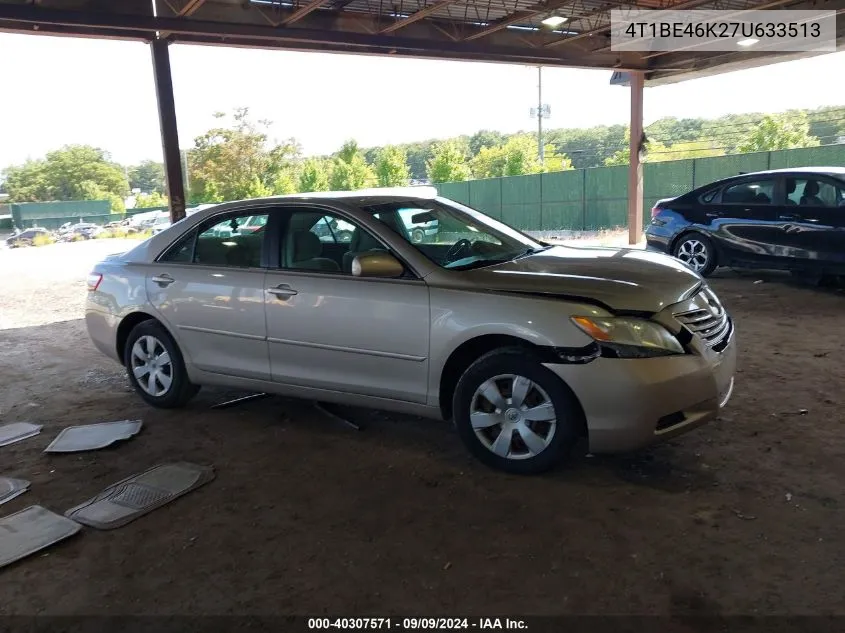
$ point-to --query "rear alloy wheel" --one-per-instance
(515, 415)
(697, 252)
(155, 367)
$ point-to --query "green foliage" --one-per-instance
(447, 163)
(391, 167)
(148, 176)
(516, 157)
(773, 132)
(485, 138)
(74, 172)
(148, 201)
(350, 170)
(314, 176)
(237, 161)
(43, 239)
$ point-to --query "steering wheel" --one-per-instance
(456, 248)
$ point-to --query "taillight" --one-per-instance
(94, 280)
(654, 211)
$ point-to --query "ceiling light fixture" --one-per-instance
(554, 21)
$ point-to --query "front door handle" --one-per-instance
(163, 280)
(789, 217)
(282, 291)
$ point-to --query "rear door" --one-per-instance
(209, 290)
(743, 219)
(813, 220)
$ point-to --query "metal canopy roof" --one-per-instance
(480, 30)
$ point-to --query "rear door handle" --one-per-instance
(282, 291)
(163, 280)
(789, 217)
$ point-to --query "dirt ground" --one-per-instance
(307, 516)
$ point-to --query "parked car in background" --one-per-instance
(790, 219)
(80, 230)
(25, 237)
(419, 231)
(525, 346)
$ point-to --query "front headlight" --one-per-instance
(630, 337)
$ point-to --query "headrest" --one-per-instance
(790, 185)
(811, 188)
(363, 241)
(306, 245)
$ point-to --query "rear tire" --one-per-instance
(535, 422)
(697, 252)
(417, 236)
(156, 368)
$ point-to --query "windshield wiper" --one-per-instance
(479, 263)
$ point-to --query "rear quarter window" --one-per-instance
(709, 196)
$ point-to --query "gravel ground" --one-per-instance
(306, 516)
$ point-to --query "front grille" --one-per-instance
(708, 320)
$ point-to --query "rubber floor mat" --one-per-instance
(11, 488)
(30, 530)
(90, 437)
(135, 496)
(17, 431)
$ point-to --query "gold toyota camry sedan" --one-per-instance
(401, 300)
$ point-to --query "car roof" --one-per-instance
(356, 198)
(822, 171)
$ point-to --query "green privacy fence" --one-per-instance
(597, 198)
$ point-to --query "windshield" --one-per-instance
(454, 236)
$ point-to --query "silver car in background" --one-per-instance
(525, 346)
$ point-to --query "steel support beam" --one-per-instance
(635, 168)
(169, 133)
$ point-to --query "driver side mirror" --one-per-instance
(377, 264)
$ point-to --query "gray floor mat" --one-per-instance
(11, 488)
(30, 530)
(17, 431)
(135, 496)
(90, 437)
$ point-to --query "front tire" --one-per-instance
(156, 368)
(417, 236)
(515, 415)
(697, 252)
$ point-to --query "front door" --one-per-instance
(330, 330)
(209, 290)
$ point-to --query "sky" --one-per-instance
(60, 90)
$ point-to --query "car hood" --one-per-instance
(621, 279)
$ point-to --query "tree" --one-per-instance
(485, 138)
(148, 176)
(785, 131)
(74, 172)
(314, 176)
(447, 163)
(150, 200)
(237, 161)
(349, 169)
(391, 167)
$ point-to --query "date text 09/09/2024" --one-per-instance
(723, 29)
(417, 624)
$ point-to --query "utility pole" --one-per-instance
(541, 153)
(542, 111)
